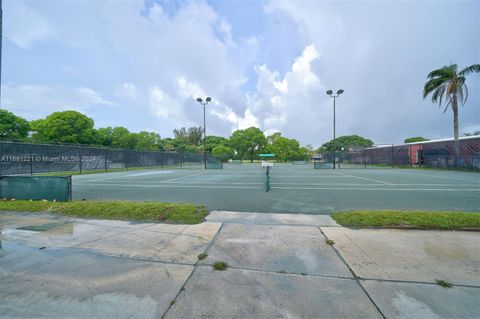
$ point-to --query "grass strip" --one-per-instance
(447, 220)
(175, 213)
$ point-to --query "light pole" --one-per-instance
(1, 40)
(207, 100)
(330, 93)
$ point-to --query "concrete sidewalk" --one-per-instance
(280, 266)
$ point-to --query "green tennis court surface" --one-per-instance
(294, 188)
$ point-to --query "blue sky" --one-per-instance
(141, 64)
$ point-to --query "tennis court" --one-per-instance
(294, 188)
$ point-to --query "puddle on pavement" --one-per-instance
(42, 227)
(21, 228)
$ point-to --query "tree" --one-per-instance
(64, 127)
(272, 138)
(212, 141)
(181, 134)
(195, 135)
(103, 136)
(222, 153)
(415, 139)
(168, 144)
(250, 141)
(346, 142)
(285, 149)
(121, 137)
(12, 126)
(306, 153)
(150, 141)
(446, 84)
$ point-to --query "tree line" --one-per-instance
(76, 128)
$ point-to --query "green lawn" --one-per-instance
(177, 213)
(417, 219)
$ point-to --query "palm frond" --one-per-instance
(466, 94)
(475, 68)
(460, 94)
(447, 105)
(443, 72)
(433, 85)
(442, 94)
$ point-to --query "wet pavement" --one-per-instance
(279, 266)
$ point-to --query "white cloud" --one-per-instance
(24, 26)
(36, 101)
(161, 104)
(273, 76)
(239, 122)
(189, 90)
(128, 90)
(290, 103)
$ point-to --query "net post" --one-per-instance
(267, 185)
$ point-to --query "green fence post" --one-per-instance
(1, 161)
(106, 163)
(80, 162)
(31, 160)
(393, 163)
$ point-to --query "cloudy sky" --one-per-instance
(141, 64)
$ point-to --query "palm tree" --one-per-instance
(446, 84)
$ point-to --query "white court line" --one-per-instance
(291, 188)
(185, 176)
(307, 183)
(365, 178)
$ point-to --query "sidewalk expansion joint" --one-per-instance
(355, 277)
(195, 266)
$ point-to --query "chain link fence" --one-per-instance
(464, 155)
(28, 159)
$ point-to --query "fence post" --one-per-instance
(420, 159)
(79, 162)
(393, 163)
(1, 159)
(106, 163)
(364, 157)
(31, 160)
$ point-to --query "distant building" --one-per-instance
(438, 152)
